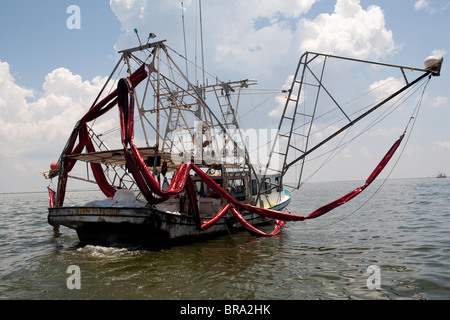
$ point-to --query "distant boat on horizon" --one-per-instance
(441, 175)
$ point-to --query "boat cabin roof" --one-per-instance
(149, 154)
(111, 156)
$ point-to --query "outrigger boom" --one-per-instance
(292, 118)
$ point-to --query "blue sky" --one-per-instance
(50, 73)
(38, 41)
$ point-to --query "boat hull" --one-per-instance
(146, 227)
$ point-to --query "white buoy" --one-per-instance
(433, 64)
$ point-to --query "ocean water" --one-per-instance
(400, 230)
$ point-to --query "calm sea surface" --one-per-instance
(403, 231)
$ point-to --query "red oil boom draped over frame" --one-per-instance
(84, 140)
(150, 188)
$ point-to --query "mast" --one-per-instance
(158, 101)
(175, 103)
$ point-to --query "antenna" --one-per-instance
(137, 34)
(201, 39)
(184, 35)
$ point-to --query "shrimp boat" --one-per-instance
(441, 175)
(194, 174)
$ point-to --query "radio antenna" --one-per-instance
(184, 36)
(201, 39)
(137, 34)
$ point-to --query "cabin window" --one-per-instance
(236, 187)
(206, 192)
(254, 187)
(277, 182)
(267, 185)
(199, 187)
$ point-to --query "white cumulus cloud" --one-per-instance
(424, 5)
(350, 30)
(443, 145)
(234, 41)
(383, 88)
(34, 127)
(438, 102)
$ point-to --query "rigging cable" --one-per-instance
(341, 145)
(412, 120)
(184, 36)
